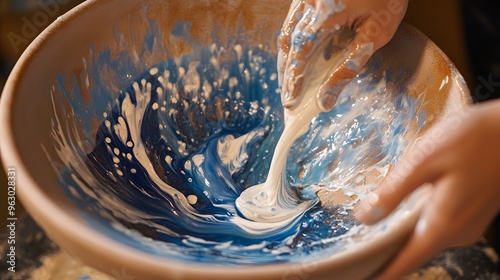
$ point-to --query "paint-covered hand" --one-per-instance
(460, 157)
(312, 23)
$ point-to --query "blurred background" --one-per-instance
(468, 31)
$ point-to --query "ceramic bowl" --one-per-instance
(109, 116)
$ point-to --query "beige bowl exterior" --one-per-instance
(26, 112)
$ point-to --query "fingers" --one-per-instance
(432, 157)
(311, 22)
(425, 242)
(300, 47)
(463, 210)
(413, 171)
(307, 36)
(350, 65)
(430, 235)
(442, 224)
(294, 14)
(366, 41)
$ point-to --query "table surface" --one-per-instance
(37, 257)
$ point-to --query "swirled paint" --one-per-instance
(179, 145)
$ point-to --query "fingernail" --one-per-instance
(285, 96)
(327, 52)
(287, 101)
(326, 100)
(369, 211)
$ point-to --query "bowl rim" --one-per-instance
(93, 244)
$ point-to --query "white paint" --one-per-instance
(444, 82)
(192, 199)
(168, 160)
(274, 201)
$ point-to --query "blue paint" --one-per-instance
(134, 209)
(181, 28)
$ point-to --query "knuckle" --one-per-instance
(283, 39)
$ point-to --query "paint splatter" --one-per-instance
(177, 147)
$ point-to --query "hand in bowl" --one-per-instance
(311, 23)
(461, 158)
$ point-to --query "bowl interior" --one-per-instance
(138, 123)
